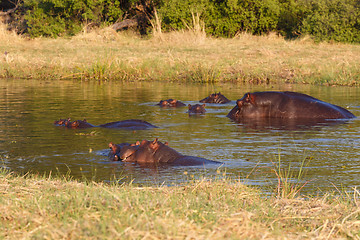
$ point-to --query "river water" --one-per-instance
(29, 142)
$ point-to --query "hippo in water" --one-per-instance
(62, 122)
(285, 105)
(131, 124)
(154, 153)
(196, 109)
(171, 103)
(215, 98)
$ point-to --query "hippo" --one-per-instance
(79, 124)
(62, 122)
(131, 124)
(215, 98)
(171, 103)
(153, 153)
(285, 105)
(196, 109)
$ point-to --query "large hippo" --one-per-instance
(171, 103)
(215, 98)
(196, 109)
(131, 124)
(285, 105)
(153, 152)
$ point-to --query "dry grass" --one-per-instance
(53, 208)
(179, 56)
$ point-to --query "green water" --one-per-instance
(30, 142)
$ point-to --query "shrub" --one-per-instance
(337, 20)
(222, 18)
(58, 17)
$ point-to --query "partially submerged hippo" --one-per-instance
(215, 98)
(171, 103)
(196, 109)
(285, 105)
(131, 124)
(62, 122)
(153, 152)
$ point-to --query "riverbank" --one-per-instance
(57, 207)
(188, 56)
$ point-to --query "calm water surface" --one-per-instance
(30, 142)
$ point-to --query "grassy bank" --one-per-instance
(187, 56)
(58, 208)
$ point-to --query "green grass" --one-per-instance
(179, 56)
(47, 207)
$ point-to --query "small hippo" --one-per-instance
(153, 152)
(131, 124)
(62, 122)
(215, 98)
(196, 109)
(171, 103)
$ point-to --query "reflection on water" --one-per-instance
(289, 124)
(30, 142)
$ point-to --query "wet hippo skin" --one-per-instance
(153, 152)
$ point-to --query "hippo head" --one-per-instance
(170, 103)
(215, 98)
(196, 109)
(128, 152)
(116, 151)
(62, 122)
(80, 124)
(245, 107)
(247, 100)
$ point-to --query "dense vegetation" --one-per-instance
(329, 20)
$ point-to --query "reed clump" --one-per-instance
(103, 54)
(49, 207)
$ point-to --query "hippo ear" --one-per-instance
(155, 145)
(113, 147)
(250, 98)
(166, 143)
(137, 143)
(203, 105)
(239, 103)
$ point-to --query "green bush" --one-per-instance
(222, 18)
(292, 13)
(39, 24)
(177, 14)
(325, 20)
(253, 16)
(52, 18)
(337, 20)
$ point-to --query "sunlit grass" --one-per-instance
(179, 56)
(56, 207)
(290, 181)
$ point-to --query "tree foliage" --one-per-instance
(324, 20)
